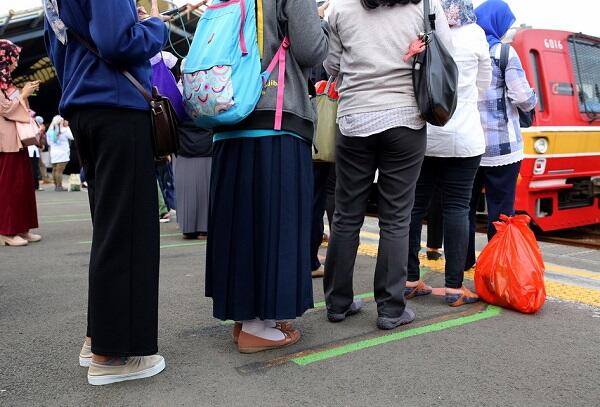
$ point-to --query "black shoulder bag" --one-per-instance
(435, 76)
(525, 118)
(164, 119)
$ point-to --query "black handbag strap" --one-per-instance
(502, 64)
(92, 48)
(429, 17)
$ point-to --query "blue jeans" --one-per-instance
(500, 185)
(453, 176)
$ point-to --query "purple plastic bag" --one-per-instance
(163, 79)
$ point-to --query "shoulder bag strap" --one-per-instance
(504, 52)
(429, 17)
(125, 73)
(502, 64)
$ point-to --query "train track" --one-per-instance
(588, 236)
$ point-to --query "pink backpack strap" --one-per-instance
(279, 59)
(242, 4)
(242, 23)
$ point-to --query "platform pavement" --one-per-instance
(473, 356)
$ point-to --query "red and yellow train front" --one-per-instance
(559, 184)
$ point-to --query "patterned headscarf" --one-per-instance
(56, 24)
(9, 54)
(459, 12)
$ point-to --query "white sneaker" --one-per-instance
(135, 367)
(85, 356)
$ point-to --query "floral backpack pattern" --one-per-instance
(212, 89)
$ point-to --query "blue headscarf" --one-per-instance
(496, 18)
(459, 12)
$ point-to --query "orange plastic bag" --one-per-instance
(510, 270)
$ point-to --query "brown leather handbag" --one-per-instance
(164, 119)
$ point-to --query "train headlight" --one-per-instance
(540, 145)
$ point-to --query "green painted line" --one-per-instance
(359, 296)
(163, 235)
(491, 311)
(65, 216)
(169, 246)
(67, 220)
(62, 203)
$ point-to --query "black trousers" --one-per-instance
(454, 177)
(397, 154)
(35, 165)
(323, 201)
(435, 225)
(115, 148)
(500, 185)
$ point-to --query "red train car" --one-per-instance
(559, 184)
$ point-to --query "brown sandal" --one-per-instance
(420, 290)
(465, 297)
(248, 343)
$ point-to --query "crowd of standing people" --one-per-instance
(252, 188)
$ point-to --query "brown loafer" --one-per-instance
(248, 343)
(281, 325)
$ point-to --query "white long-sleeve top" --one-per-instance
(463, 135)
(60, 150)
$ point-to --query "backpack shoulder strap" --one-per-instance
(280, 61)
(260, 27)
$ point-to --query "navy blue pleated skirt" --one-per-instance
(258, 254)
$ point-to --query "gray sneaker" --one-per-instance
(386, 323)
(355, 307)
(135, 367)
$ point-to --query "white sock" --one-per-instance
(259, 328)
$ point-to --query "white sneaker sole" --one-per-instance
(102, 380)
(85, 362)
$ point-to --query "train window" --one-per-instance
(585, 55)
(535, 63)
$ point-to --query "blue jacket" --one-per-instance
(112, 25)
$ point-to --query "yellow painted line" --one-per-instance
(555, 268)
(554, 289)
(370, 235)
(570, 271)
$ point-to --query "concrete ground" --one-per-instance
(472, 356)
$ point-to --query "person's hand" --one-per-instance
(142, 13)
(155, 12)
(323, 7)
(29, 89)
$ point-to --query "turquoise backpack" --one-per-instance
(222, 78)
